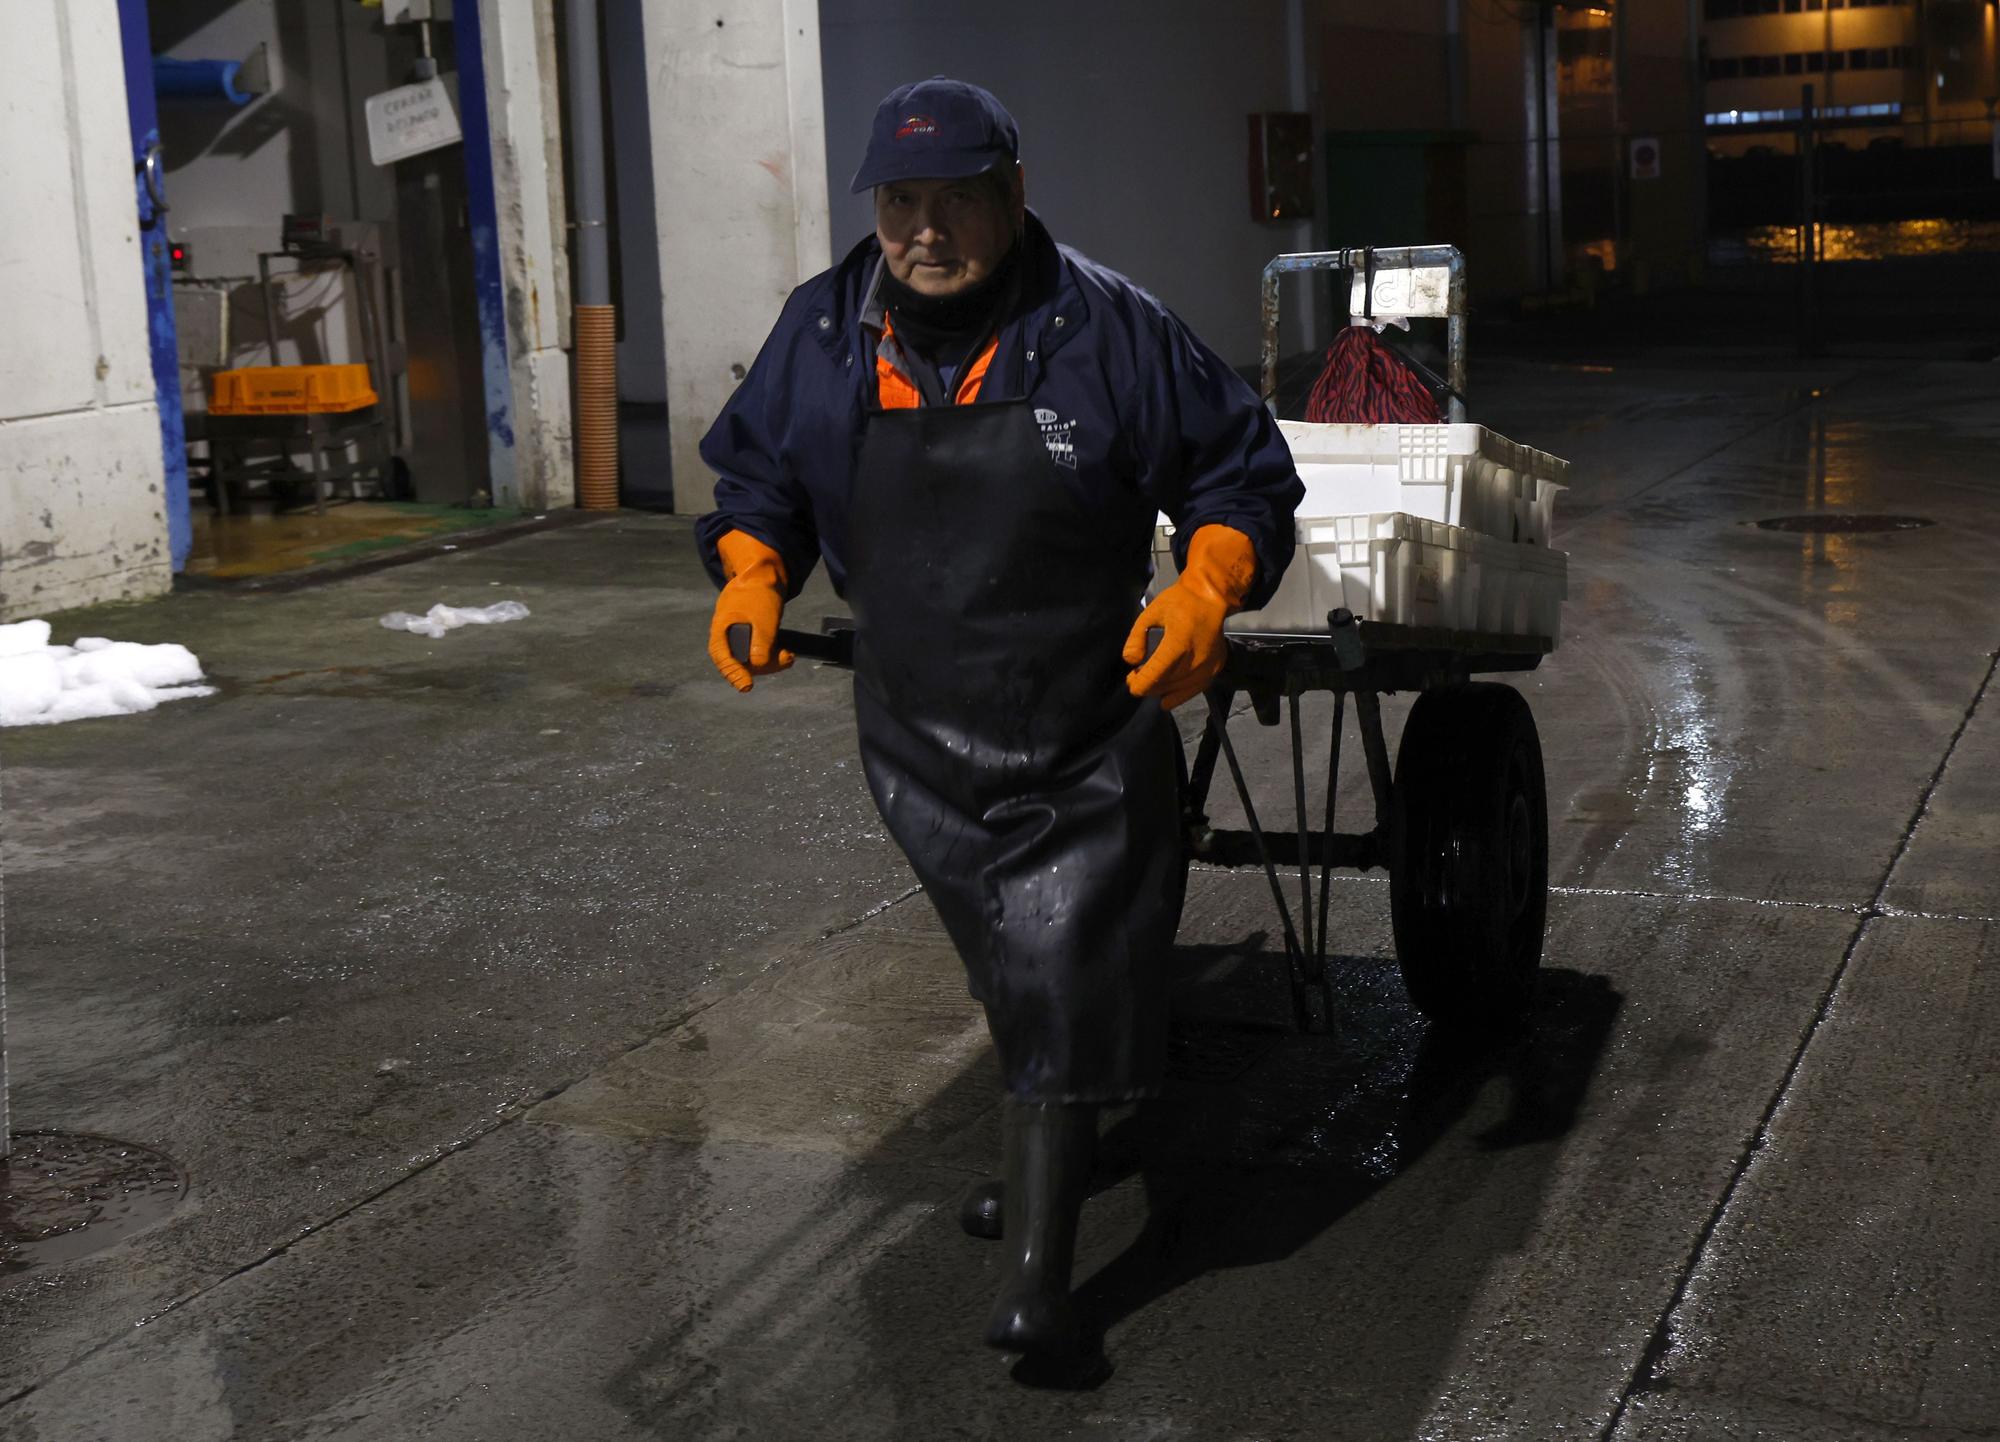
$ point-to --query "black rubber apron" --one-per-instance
(1034, 796)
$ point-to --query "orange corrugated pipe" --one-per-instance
(596, 337)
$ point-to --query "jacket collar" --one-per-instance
(1054, 309)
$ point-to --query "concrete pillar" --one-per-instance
(1543, 171)
(740, 192)
(1301, 95)
(82, 479)
(533, 465)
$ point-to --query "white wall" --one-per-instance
(739, 178)
(1133, 117)
(82, 503)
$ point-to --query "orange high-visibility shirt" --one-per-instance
(895, 391)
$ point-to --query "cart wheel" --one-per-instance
(1469, 870)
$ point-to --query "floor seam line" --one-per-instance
(1642, 894)
(448, 1149)
(1644, 1377)
(1937, 778)
(1845, 908)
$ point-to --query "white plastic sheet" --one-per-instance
(442, 618)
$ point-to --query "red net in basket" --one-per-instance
(1365, 382)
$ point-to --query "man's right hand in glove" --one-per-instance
(1221, 566)
(755, 597)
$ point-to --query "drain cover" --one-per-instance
(1843, 522)
(64, 1195)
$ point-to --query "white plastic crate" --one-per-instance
(1544, 579)
(1460, 474)
(1403, 569)
(1521, 588)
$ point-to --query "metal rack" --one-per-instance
(370, 429)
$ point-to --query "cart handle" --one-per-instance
(835, 644)
(1373, 263)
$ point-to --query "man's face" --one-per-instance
(944, 236)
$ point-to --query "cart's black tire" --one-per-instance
(1469, 863)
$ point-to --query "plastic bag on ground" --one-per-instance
(442, 618)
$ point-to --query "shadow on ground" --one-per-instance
(1245, 1170)
(1265, 1145)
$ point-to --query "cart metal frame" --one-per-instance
(1361, 660)
(1424, 282)
(1364, 660)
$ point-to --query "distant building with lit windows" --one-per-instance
(1883, 72)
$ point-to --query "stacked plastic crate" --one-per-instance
(1443, 525)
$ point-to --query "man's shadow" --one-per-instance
(1396, 1171)
(1263, 1138)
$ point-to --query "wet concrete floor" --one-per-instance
(555, 1049)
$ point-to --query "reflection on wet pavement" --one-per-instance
(539, 1073)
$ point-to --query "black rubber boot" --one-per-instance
(1049, 1149)
(982, 1210)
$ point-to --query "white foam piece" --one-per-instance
(23, 637)
(122, 661)
(29, 685)
(46, 684)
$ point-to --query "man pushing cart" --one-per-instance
(979, 431)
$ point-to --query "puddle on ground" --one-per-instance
(65, 1195)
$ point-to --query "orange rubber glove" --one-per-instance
(754, 595)
(1221, 567)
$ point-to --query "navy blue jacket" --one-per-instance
(1148, 408)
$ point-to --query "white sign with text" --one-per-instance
(410, 120)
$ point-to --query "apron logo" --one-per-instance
(1056, 436)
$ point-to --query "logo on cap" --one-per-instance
(916, 125)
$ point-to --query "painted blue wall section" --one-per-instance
(483, 214)
(142, 109)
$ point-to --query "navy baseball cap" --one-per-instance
(937, 129)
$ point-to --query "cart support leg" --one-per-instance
(1314, 955)
(1368, 712)
(1202, 775)
(1332, 785)
(1218, 723)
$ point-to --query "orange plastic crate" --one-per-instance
(289, 390)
